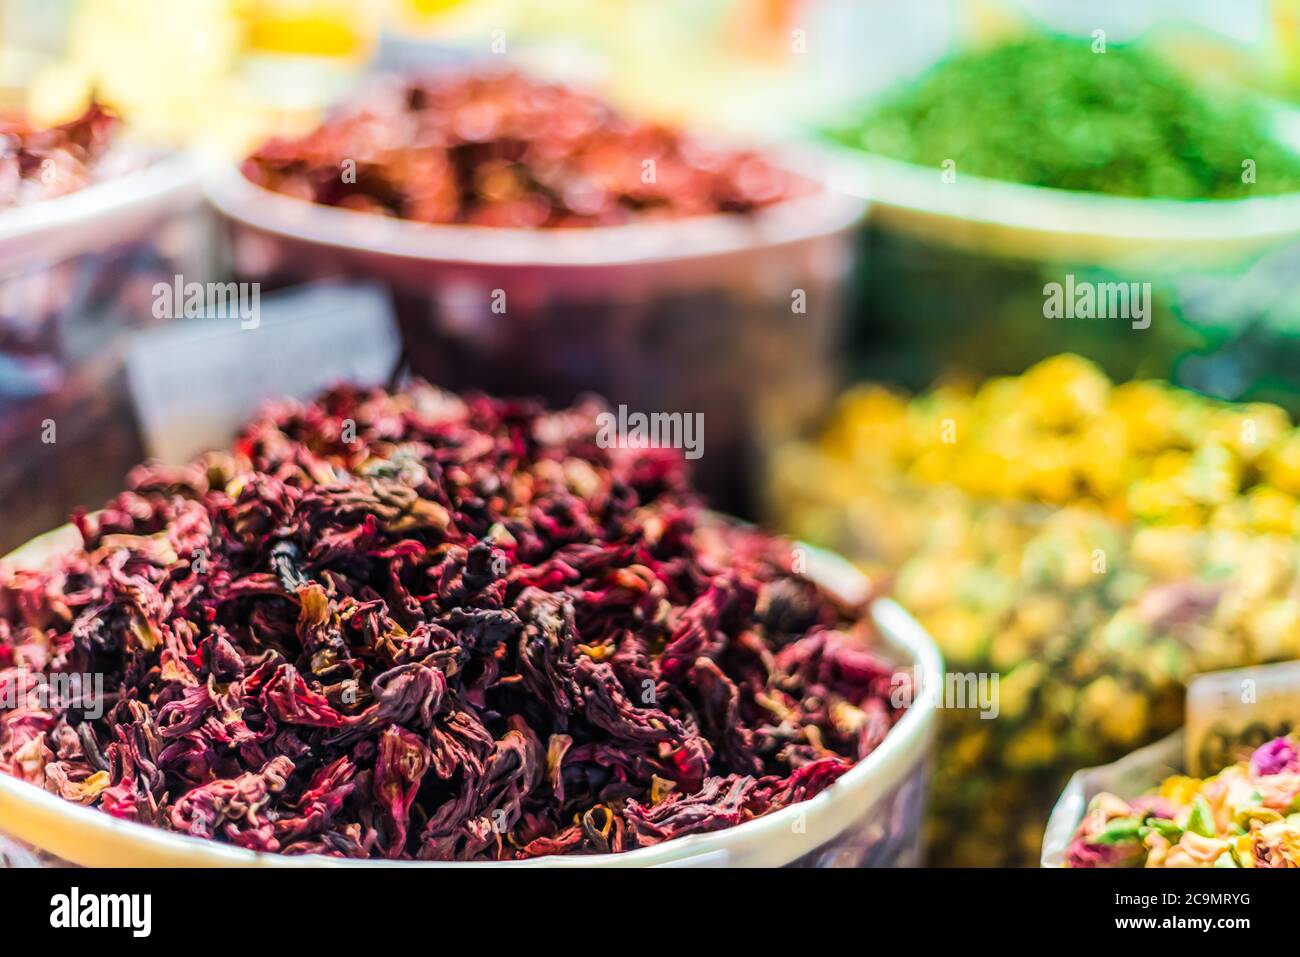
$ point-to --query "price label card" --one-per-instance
(1230, 713)
(196, 381)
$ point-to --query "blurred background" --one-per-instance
(969, 156)
(227, 70)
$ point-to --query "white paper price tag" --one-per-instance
(194, 382)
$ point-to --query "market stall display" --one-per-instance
(1093, 545)
(409, 626)
(552, 308)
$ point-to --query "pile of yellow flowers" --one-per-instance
(1062, 434)
(1092, 545)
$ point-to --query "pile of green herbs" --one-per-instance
(1049, 111)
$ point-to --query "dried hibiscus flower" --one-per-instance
(502, 149)
(413, 626)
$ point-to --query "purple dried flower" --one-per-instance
(1275, 757)
(470, 633)
(1081, 853)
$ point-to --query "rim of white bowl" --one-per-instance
(823, 212)
(895, 184)
(154, 184)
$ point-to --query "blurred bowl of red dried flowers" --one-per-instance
(411, 627)
(539, 242)
(60, 184)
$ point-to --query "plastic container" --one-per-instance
(736, 318)
(870, 817)
(1127, 778)
(76, 273)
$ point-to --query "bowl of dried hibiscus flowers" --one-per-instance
(412, 627)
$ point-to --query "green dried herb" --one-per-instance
(1120, 830)
(1201, 820)
(1048, 111)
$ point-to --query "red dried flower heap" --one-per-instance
(502, 149)
(411, 626)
